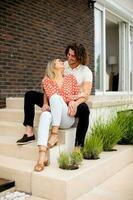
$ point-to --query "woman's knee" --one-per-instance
(45, 115)
(55, 97)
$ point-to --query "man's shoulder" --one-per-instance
(85, 68)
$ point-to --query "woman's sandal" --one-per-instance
(40, 166)
(53, 139)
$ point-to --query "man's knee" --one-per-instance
(83, 110)
(29, 94)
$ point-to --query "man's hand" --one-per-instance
(45, 107)
(72, 108)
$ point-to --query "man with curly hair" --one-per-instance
(75, 65)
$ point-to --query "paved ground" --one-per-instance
(118, 187)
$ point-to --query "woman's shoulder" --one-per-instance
(46, 79)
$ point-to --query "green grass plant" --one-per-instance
(93, 147)
(63, 160)
(126, 121)
(70, 161)
(112, 134)
(76, 157)
(109, 132)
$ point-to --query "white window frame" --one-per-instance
(131, 60)
(103, 52)
(103, 56)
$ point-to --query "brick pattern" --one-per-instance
(33, 32)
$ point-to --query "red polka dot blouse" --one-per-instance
(68, 90)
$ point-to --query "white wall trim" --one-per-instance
(117, 8)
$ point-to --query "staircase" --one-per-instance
(17, 162)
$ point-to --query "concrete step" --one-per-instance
(16, 115)
(8, 147)
(15, 129)
(65, 184)
(16, 103)
(12, 126)
(17, 170)
(68, 185)
(117, 187)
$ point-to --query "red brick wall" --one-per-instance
(33, 32)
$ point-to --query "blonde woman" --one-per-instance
(59, 90)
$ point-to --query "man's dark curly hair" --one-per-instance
(80, 52)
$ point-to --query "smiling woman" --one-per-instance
(52, 66)
(59, 91)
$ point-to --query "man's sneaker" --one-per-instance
(25, 139)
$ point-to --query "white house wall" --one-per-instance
(106, 107)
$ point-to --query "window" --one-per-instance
(113, 60)
(98, 50)
(112, 53)
(131, 58)
(124, 57)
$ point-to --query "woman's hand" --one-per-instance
(72, 108)
(45, 107)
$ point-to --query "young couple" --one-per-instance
(66, 87)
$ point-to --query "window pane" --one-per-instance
(131, 58)
(98, 49)
(124, 57)
(112, 55)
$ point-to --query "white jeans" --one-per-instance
(57, 117)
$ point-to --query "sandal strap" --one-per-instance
(53, 133)
(41, 149)
(39, 167)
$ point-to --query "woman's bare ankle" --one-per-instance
(55, 129)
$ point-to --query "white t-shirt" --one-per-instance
(82, 73)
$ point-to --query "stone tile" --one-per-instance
(118, 187)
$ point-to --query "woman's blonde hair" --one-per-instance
(50, 69)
